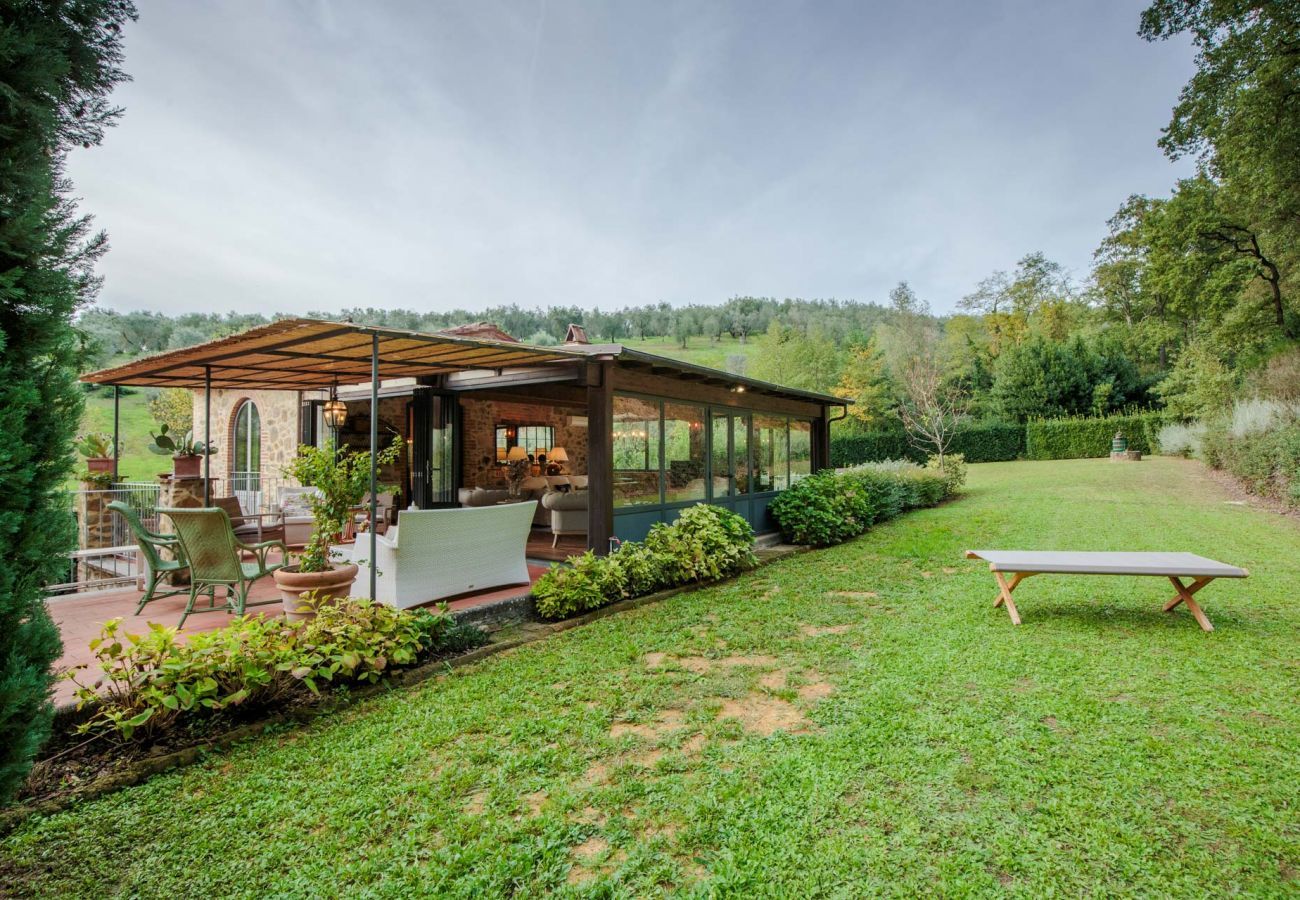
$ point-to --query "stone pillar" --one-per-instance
(179, 493)
(94, 523)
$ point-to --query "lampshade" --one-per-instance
(517, 453)
(335, 412)
(558, 454)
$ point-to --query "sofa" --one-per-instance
(432, 554)
(533, 488)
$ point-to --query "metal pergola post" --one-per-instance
(374, 465)
(207, 435)
(117, 395)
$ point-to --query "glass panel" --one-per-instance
(770, 456)
(684, 451)
(800, 449)
(740, 452)
(636, 451)
(254, 439)
(241, 439)
(720, 461)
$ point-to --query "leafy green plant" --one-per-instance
(952, 469)
(95, 445)
(704, 544)
(165, 445)
(341, 478)
(978, 443)
(831, 507)
(148, 682)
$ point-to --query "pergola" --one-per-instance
(311, 354)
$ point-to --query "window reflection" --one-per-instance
(636, 451)
(684, 451)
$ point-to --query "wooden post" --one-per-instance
(600, 456)
(821, 442)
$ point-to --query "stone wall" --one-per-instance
(279, 414)
(479, 419)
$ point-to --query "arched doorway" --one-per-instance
(246, 456)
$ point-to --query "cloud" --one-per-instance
(317, 155)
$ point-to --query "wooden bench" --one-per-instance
(1020, 564)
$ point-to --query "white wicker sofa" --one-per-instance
(432, 554)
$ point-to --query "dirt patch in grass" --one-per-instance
(855, 595)
(693, 744)
(535, 801)
(773, 681)
(655, 660)
(764, 715)
(476, 803)
(819, 630)
(702, 665)
(586, 855)
(815, 690)
(666, 721)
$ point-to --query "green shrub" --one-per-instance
(831, 507)
(151, 681)
(952, 469)
(1084, 438)
(704, 544)
(585, 583)
(823, 509)
(985, 442)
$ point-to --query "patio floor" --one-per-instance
(81, 617)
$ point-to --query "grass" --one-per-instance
(136, 425)
(699, 350)
(853, 721)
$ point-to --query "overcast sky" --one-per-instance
(293, 156)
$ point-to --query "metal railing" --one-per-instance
(106, 555)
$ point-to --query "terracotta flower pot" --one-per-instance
(187, 466)
(323, 586)
(99, 464)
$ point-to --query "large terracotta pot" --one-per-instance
(99, 464)
(187, 466)
(323, 586)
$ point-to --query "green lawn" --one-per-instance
(854, 721)
(699, 350)
(135, 429)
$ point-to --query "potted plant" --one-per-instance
(97, 447)
(187, 454)
(341, 478)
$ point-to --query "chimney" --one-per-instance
(576, 335)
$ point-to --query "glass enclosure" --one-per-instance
(669, 454)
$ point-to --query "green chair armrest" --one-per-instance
(263, 545)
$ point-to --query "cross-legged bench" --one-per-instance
(1020, 564)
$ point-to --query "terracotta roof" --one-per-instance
(483, 331)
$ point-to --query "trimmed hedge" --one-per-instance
(831, 507)
(1085, 438)
(1266, 460)
(987, 442)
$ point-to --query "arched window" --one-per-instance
(246, 455)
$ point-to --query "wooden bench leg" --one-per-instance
(1004, 593)
(1185, 596)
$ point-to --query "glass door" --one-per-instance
(443, 470)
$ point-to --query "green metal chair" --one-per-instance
(150, 543)
(216, 559)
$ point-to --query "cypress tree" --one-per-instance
(59, 59)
